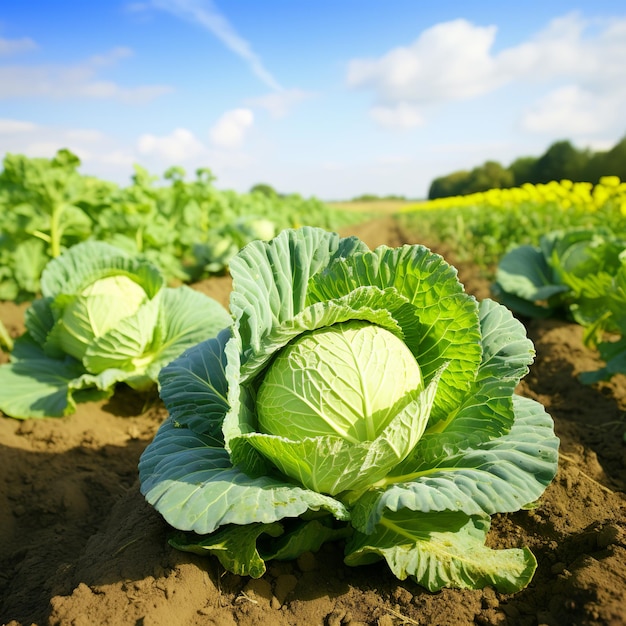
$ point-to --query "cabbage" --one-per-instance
(579, 274)
(347, 379)
(90, 313)
(105, 317)
(359, 395)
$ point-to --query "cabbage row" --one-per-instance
(188, 229)
(579, 274)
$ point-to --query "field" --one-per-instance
(79, 545)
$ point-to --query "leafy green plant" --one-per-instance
(188, 229)
(45, 206)
(360, 396)
(579, 274)
(105, 317)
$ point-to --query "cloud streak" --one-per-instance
(205, 14)
(16, 46)
(80, 80)
(278, 104)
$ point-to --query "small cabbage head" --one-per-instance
(95, 310)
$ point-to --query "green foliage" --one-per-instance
(490, 175)
(189, 229)
(577, 273)
(609, 163)
(358, 394)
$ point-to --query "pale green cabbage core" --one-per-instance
(348, 379)
(97, 309)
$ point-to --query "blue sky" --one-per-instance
(324, 98)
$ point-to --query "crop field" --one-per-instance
(469, 469)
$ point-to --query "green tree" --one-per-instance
(264, 189)
(609, 163)
(523, 169)
(561, 160)
(490, 175)
(451, 185)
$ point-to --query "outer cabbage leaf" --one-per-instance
(486, 411)
(526, 283)
(194, 387)
(36, 385)
(39, 320)
(195, 487)
(237, 550)
(447, 328)
(86, 262)
(234, 546)
(385, 308)
(500, 475)
(186, 318)
(270, 280)
(444, 549)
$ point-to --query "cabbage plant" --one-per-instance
(579, 274)
(104, 317)
(359, 396)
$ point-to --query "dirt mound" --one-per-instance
(79, 546)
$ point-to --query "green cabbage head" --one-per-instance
(104, 317)
(359, 395)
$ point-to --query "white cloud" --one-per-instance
(112, 159)
(579, 63)
(205, 14)
(180, 145)
(279, 103)
(74, 81)
(398, 116)
(16, 126)
(447, 61)
(229, 131)
(572, 110)
(16, 46)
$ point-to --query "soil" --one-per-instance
(79, 546)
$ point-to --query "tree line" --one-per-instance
(560, 161)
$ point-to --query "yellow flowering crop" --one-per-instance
(562, 194)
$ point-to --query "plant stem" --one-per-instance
(5, 338)
(55, 230)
